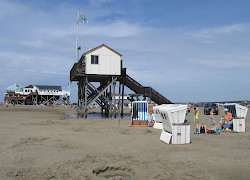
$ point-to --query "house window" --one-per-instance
(94, 59)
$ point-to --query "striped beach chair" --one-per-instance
(139, 113)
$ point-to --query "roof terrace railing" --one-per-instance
(77, 69)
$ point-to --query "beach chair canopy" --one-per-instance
(139, 110)
(236, 110)
(157, 110)
(172, 113)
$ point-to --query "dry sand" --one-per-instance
(38, 142)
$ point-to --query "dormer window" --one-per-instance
(94, 59)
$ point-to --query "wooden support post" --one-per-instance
(106, 107)
(80, 99)
(122, 98)
(86, 98)
(113, 98)
(78, 102)
(119, 112)
(110, 105)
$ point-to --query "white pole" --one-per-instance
(77, 27)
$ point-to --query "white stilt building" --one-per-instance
(36, 94)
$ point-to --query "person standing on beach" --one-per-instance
(212, 117)
(196, 114)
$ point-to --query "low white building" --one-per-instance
(45, 90)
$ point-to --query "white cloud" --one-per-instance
(209, 33)
(116, 29)
(9, 9)
(54, 72)
(98, 3)
(222, 62)
(56, 32)
(37, 43)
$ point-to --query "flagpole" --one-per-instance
(80, 18)
(77, 28)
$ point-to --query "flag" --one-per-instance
(82, 18)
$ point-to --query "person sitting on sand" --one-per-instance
(216, 129)
(228, 119)
(201, 128)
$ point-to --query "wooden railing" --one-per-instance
(156, 96)
(134, 85)
(13, 98)
(77, 69)
(30, 94)
(146, 91)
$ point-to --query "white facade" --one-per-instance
(239, 125)
(109, 62)
(180, 135)
(29, 90)
(55, 93)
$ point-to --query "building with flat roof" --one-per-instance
(36, 94)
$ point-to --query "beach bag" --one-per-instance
(218, 130)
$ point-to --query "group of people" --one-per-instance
(225, 123)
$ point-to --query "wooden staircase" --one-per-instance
(78, 72)
(28, 98)
(145, 91)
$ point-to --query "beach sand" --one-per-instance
(40, 142)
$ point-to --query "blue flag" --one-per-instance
(83, 18)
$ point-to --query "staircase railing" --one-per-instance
(134, 85)
(146, 91)
(30, 94)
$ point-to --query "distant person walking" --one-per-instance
(196, 114)
(212, 117)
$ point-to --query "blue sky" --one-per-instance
(195, 50)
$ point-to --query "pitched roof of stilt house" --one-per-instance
(103, 45)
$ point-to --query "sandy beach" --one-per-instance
(40, 142)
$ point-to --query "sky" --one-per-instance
(189, 51)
